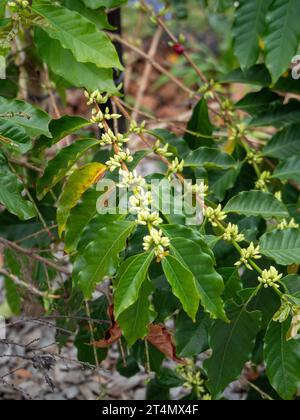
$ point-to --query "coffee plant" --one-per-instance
(197, 294)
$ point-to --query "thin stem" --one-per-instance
(31, 253)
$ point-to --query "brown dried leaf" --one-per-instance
(161, 338)
(112, 335)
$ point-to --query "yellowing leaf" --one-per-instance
(82, 179)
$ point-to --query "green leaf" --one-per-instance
(98, 16)
(278, 115)
(94, 4)
(282, 38)
(100, 258)
(10, 195)
(258, 102)
(209, 158)
(284, 144)
(77, 34)
(209, 282)
(80, 216)
(63, 63)
(183, 285)
(258, 204)
(61, 128)
(282, 360)
(179, 231)
(232, 280)
(222, 181)
(60, 165)
(81, 179)
(132, 275)
(14, 137)
(292, 283)
(290, 169)
(92, 229)
(232, 345)
(191, 337)
(249, 25)
(33, 120)
(135, 320)
(282, 245)
(256, 75)
(200, 124)
(177, 145)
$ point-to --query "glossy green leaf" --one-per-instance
(256, 75)
(248, 27)
(60, 165)
(77, 34)
(132, 275)
(278, 115)
(191, 337)
(289, 170)
(200, 124)
(209, 282)
(80, 180)
(98, 16)
(282, 38)
(14, 137)
(258, 204)
(61, 128)
(284, 144)
(222, 181)
(258, 102)
(179, 231)
(209, 158)
(11, 195)
(100, 258)
(94, 4)
(63, 63)
(232, 345)
(183, 285)
(135, 320)
(33, 120)
(92, 229)
(282, 245)
(282, 360)
(80, 216)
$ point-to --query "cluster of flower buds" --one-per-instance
(98, 116)
(270, 278)
(193, 380)
(117, 160)
(96, 97)
(208, 89)
(18, 5)
(248, 254)
(232, 234)
(215, 216)
(130, 180)
(176, 167)
(146, 218)
(254, 158)
(157, 241)
(162, 151)
(200, 189)
(140, 201)
(134, 128)
(264, 180)
(285, 224)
